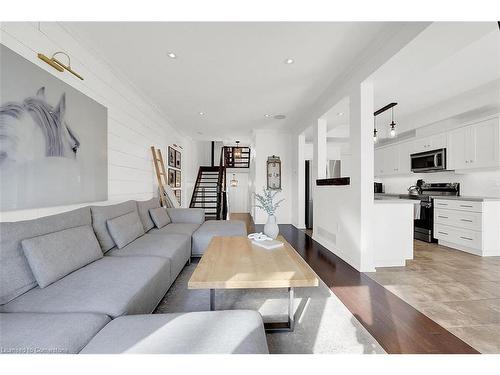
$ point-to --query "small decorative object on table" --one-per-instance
(265, 202)
(261, 240)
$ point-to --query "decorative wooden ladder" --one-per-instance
(161, 177)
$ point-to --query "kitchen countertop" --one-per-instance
(395, 201)
(466, 198)
(384, 196)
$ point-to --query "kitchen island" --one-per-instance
(393, 231)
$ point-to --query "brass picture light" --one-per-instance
(57, 64)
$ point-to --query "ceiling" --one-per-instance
(232, 72)
(444, 61)
(453, 64)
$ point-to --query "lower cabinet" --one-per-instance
(468, 225)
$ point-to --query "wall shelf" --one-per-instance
(339, 181)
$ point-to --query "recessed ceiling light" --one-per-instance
(171, 55)
(340, 113)
(267, 115)
(279, 117)
(201, 113)
(289, 61)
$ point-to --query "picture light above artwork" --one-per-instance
(57, 64)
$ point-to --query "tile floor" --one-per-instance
(459, 291)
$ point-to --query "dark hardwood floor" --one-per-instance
(396, 325)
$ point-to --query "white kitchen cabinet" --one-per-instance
(486, 144)
(393, 160)
(471, 147)
(469, 226)
(432, 142)
(475, 146)
(379, 162)
(458, 153)
(404, 162)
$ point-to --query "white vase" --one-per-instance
(271, 229)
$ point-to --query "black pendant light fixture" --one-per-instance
(237, 151)
(392, 131)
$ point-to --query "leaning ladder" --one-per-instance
(161, 177)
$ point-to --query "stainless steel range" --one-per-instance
(425, 192)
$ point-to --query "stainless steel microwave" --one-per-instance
(429, 161)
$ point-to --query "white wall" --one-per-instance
(343, 215)
(134, 122)
(267, 143)
(332, 151)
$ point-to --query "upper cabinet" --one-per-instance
(475, 146)
(393, 160)
(471, 147)
(433, 142)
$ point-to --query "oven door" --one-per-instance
(424, 224)
(429, 161)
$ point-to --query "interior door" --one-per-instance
(238, 195)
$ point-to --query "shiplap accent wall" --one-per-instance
(134, 122)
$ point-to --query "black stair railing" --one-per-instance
(210, 189)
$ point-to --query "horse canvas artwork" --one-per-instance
(53, 139)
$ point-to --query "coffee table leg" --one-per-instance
(291, 315)
(286, 326)
(212, 299)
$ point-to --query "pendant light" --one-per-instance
(237, 151)
(375, 137)
(392, 132)
(234, 181)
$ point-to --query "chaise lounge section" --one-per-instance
(65, 277)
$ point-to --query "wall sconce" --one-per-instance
(234, 181)
(57, 64)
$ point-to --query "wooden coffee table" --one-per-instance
(234, 263)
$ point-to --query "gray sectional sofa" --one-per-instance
(68, 277)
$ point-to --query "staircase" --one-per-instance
(209, 191)
(206, 192)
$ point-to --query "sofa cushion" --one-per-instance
(203, 332)
(186, 215)
(53, 256)
(209, 229)
(31, 333)
(143, 208)
(111, 285)
(159, 216)
(16, 277)
(175, 247)
(186, 229)
(101, 214)
(125, 228)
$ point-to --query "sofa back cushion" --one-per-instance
(143, 207)
(126, 228)
(159, 216)
(100, 216)
(16, 277)
(55, 255)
